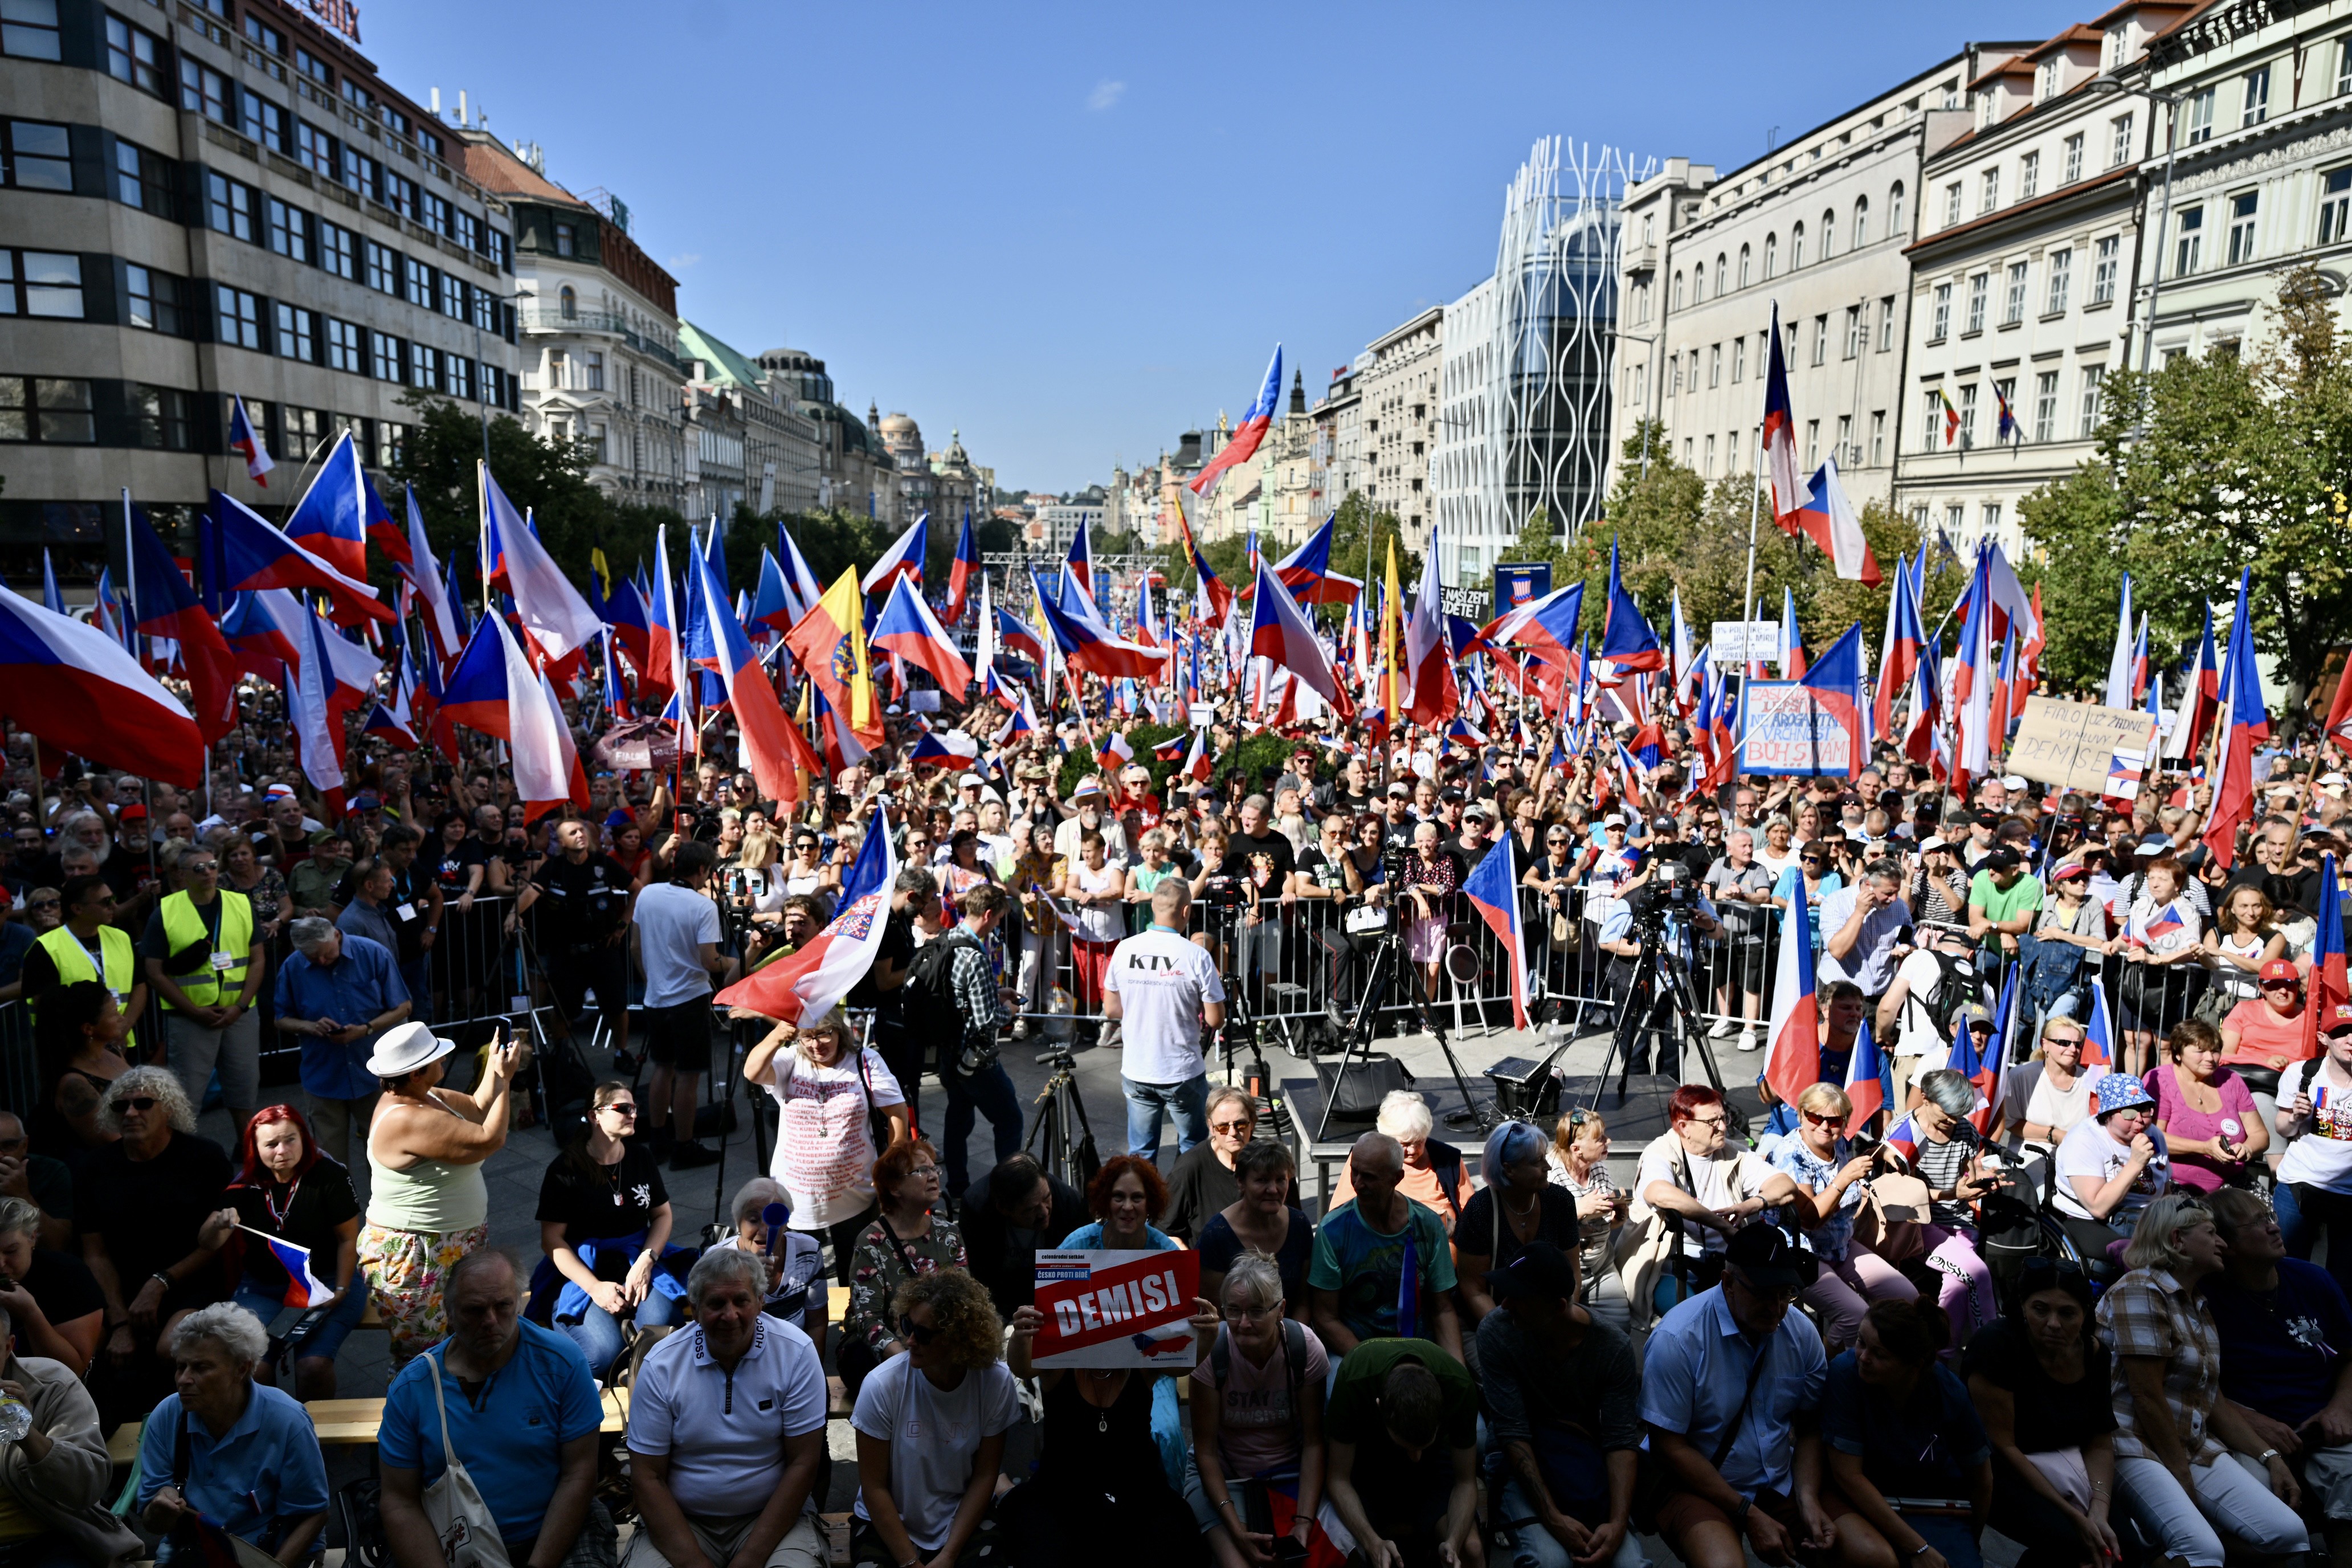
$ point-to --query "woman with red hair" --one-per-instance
(288, 1189)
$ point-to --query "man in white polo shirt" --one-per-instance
(1162, 987)
(727, 1428)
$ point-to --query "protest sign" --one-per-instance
(1785, 729)
(2073, 745)
(1116, 1308)
(1738, 642)
(1519, 582)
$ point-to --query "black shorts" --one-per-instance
(603, 970)
(678, 1036)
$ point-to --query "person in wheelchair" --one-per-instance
(2109, 1169)
(2284, 1327)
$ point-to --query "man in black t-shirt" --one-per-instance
(583, 931)
(1350, 792)
(1262, 859)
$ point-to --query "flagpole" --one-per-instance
(130, 615)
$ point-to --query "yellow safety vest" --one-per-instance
(73, 960)
(223, 973)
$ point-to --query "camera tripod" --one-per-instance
(1061, 1138)
(1660, 981)
(1240, 1029)
(1356, 1033)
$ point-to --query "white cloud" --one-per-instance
(1105, 95)
(683, 259)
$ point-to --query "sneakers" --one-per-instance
(687, 1156)
(1722, 1028)
(1748, 1041)
(1020, 1028)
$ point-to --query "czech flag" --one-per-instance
(2099, 1032)
(1114, 753)
(246, 443)
(1081, 562)
(1627, 643)
(2122, 660)
(1012, 634)
(1428, 661)
(903, 559)
(759, 718)
(1794, 1039)
(2247, 725)
(1828, 519)
(1197, 764)
(391, 717)
(551, 609)
(1898, 652)
(1170, 749)
(1256, 421)
(2330, 988)
(2192, 725)
(1022, 721)
(950, 749)
(1972, 676)
(1780, 436)
(75, 688)
(1869, 1077)
(662, 673)
(1792, 642)
(1835, 683)
(252, 554)
(908, 629)
(494, 690)
(163, 606)
(443, 625)
(962, 570)
(1983, 1067)
(331, 520)
(1088, 646)
(1306, 572)
(1279, 632)
(812, 982)
(1493, 889)
(1220, 596)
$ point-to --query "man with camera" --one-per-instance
(1161, 988)
(1667, 909)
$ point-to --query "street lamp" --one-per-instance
(2108, 83)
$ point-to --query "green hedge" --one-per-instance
(1261, 750)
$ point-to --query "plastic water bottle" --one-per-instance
(16, 1418)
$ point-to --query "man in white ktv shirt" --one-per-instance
(1162, 987)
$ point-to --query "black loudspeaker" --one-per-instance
(1369, 1079)
(1525, 1090)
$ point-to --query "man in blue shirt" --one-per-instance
(338, 992)
(523, 1414)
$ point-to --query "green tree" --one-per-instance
(1356, 529)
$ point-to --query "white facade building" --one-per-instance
(1401, 421)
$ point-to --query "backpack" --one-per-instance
(1294, 1352)
(1956, 987)
(927, 997)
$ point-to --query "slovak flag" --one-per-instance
(1493, 889)
(1869, 1077)
(246, 443)
(1793, 1064)
(1828, 519)
(1256, 421)
(903, 559)
(2099, 1032)
(960, 572)
(812, 982)
(1780, 436)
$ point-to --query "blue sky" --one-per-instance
(1075, 231)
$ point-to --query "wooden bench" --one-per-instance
(353, 1422)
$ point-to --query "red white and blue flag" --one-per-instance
(1781, 434)
(1257, 420)
(2099, 1032)
(1869, 1077)
(76, 688)
(1836, 685)
(553, 613)
(760, 719)
(1012, 634)
(494, 690)
(1493, 889)
(252, 553)
(331, 520)
(1627, 643)
(1197, 764)
(903, 559)
(2330, 985)
(960, 572)
(1081, 562)
(950, 749)
(1306, 572)
(1829, 520)
(1279, 632)
(908, 630)
(2192, 725)
(2245, 727)
(1087, 644)
(246, 443)
(812, 982)
(162, 604)
(1793, 1042)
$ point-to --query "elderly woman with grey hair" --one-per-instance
(55, 1478)
(1949, 1157)
(140, 1203)
(793, 1260)
(240, 1454)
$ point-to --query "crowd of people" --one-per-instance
(2069, 1297)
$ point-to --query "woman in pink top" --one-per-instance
(2211, 1127)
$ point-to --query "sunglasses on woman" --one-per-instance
(915, 1333)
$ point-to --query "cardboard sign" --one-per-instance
(1785, 730)
(2073, 745)
(1117, 1309)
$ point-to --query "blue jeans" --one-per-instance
(1536, 1547)
(988, 1092)
(598, 1334)
(419, 978)
(326, 1338)
(1187, 1102)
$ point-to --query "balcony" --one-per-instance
(608, 323)
(1641, 258)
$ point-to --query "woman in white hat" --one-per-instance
(428, 1206)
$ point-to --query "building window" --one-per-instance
(1894, 212)
(1878, 437)
(28, 30)
(2190, 242)
(2242, 226)
(500, 248)
(1679, 290)
(1990, 517)
(2335, 207)
(559, 371)
(2061, 272)
(358, 171)
(289, 230)
(2012, 309)
(1886, 323)
(36, 157)
(2119, 141)
(2045, 406)
(1952, 204)
(592, 372)
(1939, 322)
(302, 431)
(1715, 367)
(423, 367)
(2103, 269)
(2257, 102)
(1980, 287)
(486, 310)
(1797, 248)
(314, 67)
(1709, 471)
(494, 386)
(453, 297)
(1674, 379)
(567, 303)
(133, 53)
(153, 298)
(1988, 191)
(1812, 443)
(2200, 117)
(45, 408)
(465, 228)
(296, 334)
(314, 149)
(204, 90)
(2074, 160)
(566, 244)
(420, 282)
(1771, 256)
(240, 317)
(263, 121)
(159, 416)
(2092, 375)
(1853, 331)
(432, 212)
(1861, 223)
(41, 283)
(2029, 176)
(1955, 517)
(391, 440)
(382, 268)
(385, 355)
(457, 375)
(228, 206)
(344, 348)
(1968, 416)
(1820, 339)
(1739, 360)
(262, 33)
(399, 194)
(144, 179)
(337, 250)
(1933, 405)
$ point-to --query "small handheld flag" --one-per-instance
(303, 1288)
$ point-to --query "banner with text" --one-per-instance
(2073, 745)
(1521, 583)
(1784, 728)
(1117, 1309)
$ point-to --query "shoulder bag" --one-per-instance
(469, 1530)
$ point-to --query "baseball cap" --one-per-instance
(134, 812)
(2339, 1020)
(2073, 871)
(1665, 825)
(2154, 844)
(1449, 794)
(2279, 969)
(1986, 819)
(2119, 1092)
(1088, 786)
(1400, 790)
(1766, 1256)
(2012, 781)
(1975, 1016)
(2001, 859)
(1541, 1268)
(1932, 842)
(1614, 819)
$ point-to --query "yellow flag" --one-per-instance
(1392, 642)
(603, 573)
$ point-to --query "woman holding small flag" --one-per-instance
(292, 1207)
(2162, 937)
(1832, 1180)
